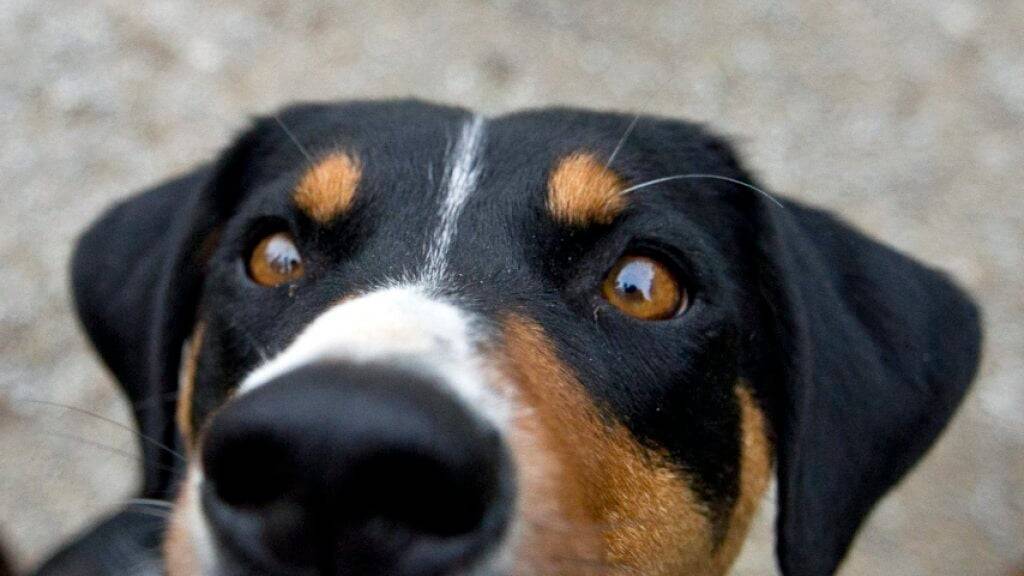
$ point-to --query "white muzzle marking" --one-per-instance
(398, 326)
(401, 327)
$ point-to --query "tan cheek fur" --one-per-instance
(755, 475)
(178, 547)
(328, 189)
(187, 383)
(614, 503)
(593, 500)
(581, 191)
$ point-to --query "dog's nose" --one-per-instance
(354, 470)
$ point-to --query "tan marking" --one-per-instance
(187, 383)
(178, 546)
(328, 189)
(582, 191)
(591, 494)
(755, 474)
(592, 498)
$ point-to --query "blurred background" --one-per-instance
(905, 117)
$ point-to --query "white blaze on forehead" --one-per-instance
(461, 176)
(401, 327)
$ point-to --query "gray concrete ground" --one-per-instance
(905, 117)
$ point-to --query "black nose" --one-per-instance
(354, 470)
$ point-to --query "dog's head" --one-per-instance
(398, 338)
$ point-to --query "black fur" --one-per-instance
(879, 351)
(127, 542)
(859, 354)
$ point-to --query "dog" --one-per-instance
(399, 338)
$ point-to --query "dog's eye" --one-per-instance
(644, 288)
(275, 260)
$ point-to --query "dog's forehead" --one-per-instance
(457, 184)
(428, 185)
(407, 150)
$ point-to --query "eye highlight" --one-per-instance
(275, 260)
(644, 288)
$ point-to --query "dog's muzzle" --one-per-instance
(373, 444)
(353, 469)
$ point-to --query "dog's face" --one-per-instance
(404, 339)
(540, 369)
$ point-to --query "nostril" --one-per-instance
(418, 493)
(248, 471)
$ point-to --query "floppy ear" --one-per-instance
(137, 276)
(877, 352)
(126, 542)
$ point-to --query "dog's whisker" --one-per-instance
(147, 502)
(153, 512)
(83, 411)
(622, 140)
(698, 176)
(291, 136)
(106, 448)
(94, 444)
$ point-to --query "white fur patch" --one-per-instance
(460, 180)
(399, 326)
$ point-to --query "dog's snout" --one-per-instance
(355, 469)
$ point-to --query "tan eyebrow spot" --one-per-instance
(328, 189)
(582, 190)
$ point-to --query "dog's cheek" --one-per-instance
(187, 383)
(554, 533)
(590, 493)
(756, 460)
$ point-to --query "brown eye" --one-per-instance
(644, 288)
(275, 260)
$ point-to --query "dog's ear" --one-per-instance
(876, 351)
(137, 276)
(126, 542)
